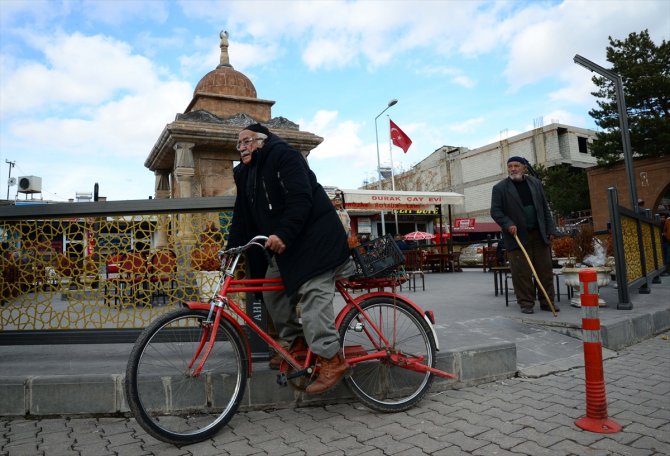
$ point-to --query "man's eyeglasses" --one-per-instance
(245, 142)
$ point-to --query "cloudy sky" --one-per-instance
(86, 87)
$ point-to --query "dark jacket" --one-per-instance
(507, 210)
(278, 194)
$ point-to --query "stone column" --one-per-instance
(184, 168)
(184, 242)
(162, 190)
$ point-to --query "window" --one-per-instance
(583, 145)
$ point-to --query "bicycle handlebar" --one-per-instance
(256, 240)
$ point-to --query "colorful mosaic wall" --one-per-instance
(106, 272)
(631, 248)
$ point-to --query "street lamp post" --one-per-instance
(623, 122)
(395, 212)
(379, 165)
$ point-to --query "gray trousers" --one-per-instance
(315, 298)
(522, 274)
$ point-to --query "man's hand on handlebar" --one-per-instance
(275, 244)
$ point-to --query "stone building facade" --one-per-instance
(652, 185)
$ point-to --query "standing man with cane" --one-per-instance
(519, 206)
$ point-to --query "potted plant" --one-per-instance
(562, 248)
(587, 251)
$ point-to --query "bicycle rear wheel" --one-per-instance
(166, 400)
(384, 384)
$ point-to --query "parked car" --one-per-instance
(473, 255)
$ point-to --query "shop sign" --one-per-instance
(417, 212)
(464, 224)
(364, 225)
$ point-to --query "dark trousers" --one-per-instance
(522, 274)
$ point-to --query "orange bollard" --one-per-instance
(596, 419)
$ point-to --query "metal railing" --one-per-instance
(101, 271)
(637, 249)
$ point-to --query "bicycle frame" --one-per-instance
(189, 369)
(222, 306)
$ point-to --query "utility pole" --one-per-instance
(9, 177)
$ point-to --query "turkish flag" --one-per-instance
(399, 137)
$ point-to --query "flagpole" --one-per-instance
(395, 212)
(391, 102)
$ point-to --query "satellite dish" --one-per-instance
(12, 181)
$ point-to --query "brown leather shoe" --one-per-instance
(330, 372)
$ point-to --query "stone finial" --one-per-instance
(224, 61)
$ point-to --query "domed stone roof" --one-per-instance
(225, 80)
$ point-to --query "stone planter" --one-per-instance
(571, 278)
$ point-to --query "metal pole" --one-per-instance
(625, 139)
(623, 122)
(395, 213)
(9, 176)
(450, 245)
(379, 166)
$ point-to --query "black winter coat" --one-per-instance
(507, 210)
(278, 194)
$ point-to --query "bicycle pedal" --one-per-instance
(282, 380)
(300, 373)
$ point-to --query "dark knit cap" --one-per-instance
(516, 158)
(258, 128)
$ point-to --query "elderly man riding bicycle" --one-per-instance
(278, 196)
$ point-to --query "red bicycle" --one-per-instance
(188, 369)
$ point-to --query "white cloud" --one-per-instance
(564, 117)
(117, 13)
(341, 138)
(39, 12)
(343, 158)
(78, 70)
(578, 87)
(503, 134)
(538, 38)
(467, 126)
(456, 75)
(119, 128)
(544, 46)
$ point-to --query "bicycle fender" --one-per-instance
(386, 294)
(195, 305)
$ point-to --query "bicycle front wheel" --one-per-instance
(166, 399)
(387, 384)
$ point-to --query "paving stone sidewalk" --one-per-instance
(518, 416)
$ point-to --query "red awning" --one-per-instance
(385, 200)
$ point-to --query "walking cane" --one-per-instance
(537, 279)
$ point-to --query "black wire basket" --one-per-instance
(377, 257)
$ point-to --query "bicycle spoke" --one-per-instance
(381, 383)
